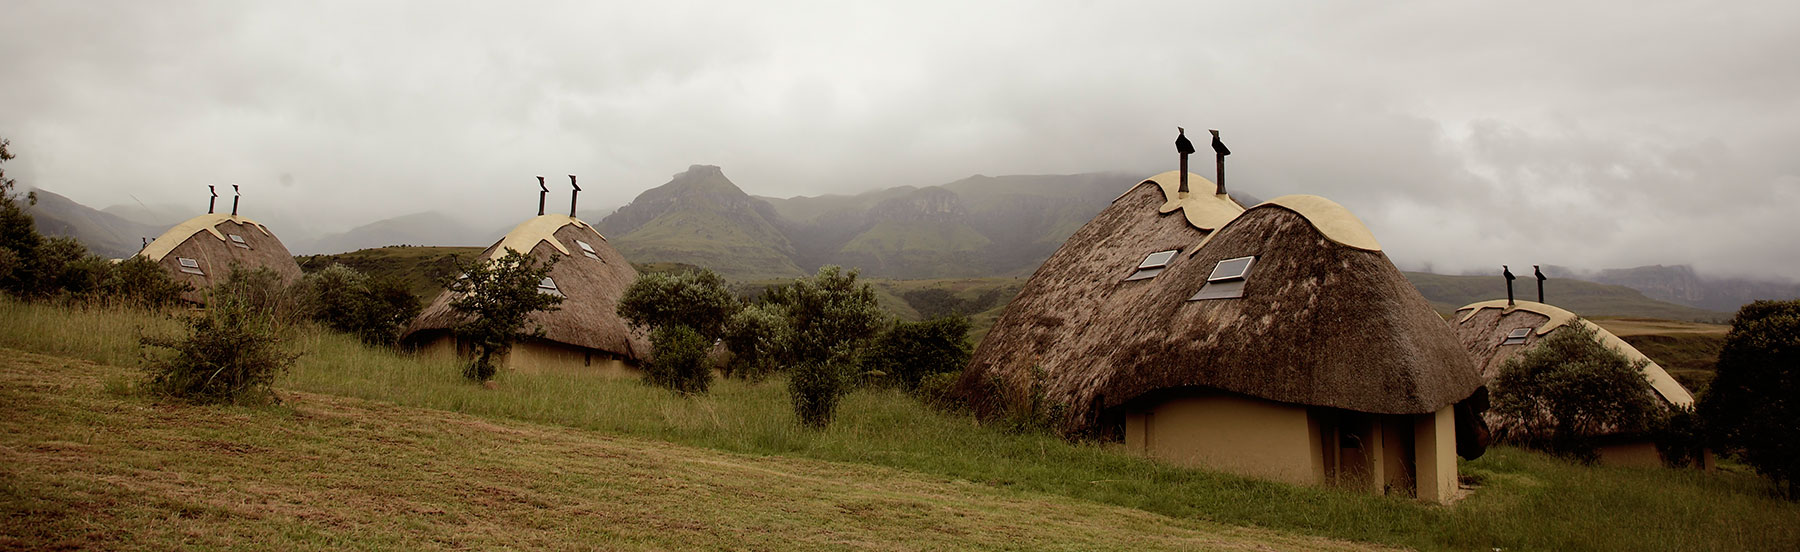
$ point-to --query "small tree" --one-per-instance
(1570, 389)
(696, 299)
(231, 354)
(1753, 406)
(680, 361)
(756, 336)
(495, 296)
(19, 240)
(832, 317)
(910, 351)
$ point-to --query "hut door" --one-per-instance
(1349, 447)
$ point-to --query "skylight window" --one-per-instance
(548, 286)
(238, 241)
(1152, 265)
(190, 266)
(587, 250)
(1516, 336)
(1226, 280)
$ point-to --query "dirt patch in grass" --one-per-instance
(82, 468)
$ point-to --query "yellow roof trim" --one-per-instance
(1203, 209)
(527, 234)
(1660, 379)
(1334, 221)
(167, 242)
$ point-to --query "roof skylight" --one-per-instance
(1153, 264)
(548, 286)
(587, 250)
(1516, 336)
(1226, 280)
(190, 266)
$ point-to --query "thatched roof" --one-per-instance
(1483, 326)
(212, 243)
(588, 315)
(1319, 323)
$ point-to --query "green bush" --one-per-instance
(940, 391)
(696, 299)
(372, 309)
(139, 281)
(230, 354)
(678, 360)
(756, 336)
(1570, 389)
(263, 291)
(1752, 407)
(827, 313)
(815, 388)
(910, 351)
(1680, 438)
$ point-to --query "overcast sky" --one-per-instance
(1466, 134)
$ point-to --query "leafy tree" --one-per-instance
(756, 335)
(1753, 405)
(495, 296)
(19, 240)
(832, 317)
(1570, 389)
(230, 354)
(373, 309)
(696, 299)
(680, 361)
(910, 351)
(139, 281)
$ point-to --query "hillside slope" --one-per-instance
(701, 218)
(429, 228)
(87, 468)
(103, 233)
(1446, 293)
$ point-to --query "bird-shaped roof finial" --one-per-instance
(1183, 147)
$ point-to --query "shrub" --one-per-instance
(1570, 389)
(372, 309)
(940, 391)
(828, 312)
(911, 351)
(495, 296)
(263, 291)
(756, 336)
(679, 360)
(139, 281)
(814, 388)
(1680, 438)
(1753, 405)
(696, 299)
(231, 354)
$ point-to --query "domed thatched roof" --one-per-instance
(1484, 328)
(201, 250)
(591, 286)
(1323, 318)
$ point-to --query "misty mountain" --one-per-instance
(103, 233)
(1680, 284)
(426, 228)
(701, 218)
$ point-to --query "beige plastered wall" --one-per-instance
(1230, 433)
(537, 357)
(1638, 454)
(1434, 444)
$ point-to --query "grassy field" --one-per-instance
(1524, 500)
(89, 464)
(1688, 350)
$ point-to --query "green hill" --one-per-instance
(1446, 293)
(701, 218)
(420, 269)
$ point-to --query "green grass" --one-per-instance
(1527, 501)
(1689, 351)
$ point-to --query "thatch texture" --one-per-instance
(1481, 327)
(207, 240)
(588, 315)
(1320, 323)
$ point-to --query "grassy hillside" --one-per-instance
(558, 461)
(419, 268)
(91, 465)
(1446, 293)
(701, 238)
(1688, 350)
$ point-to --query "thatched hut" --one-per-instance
(1494, 331)
(584, 335)
(1277, 342)
(202, 250)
